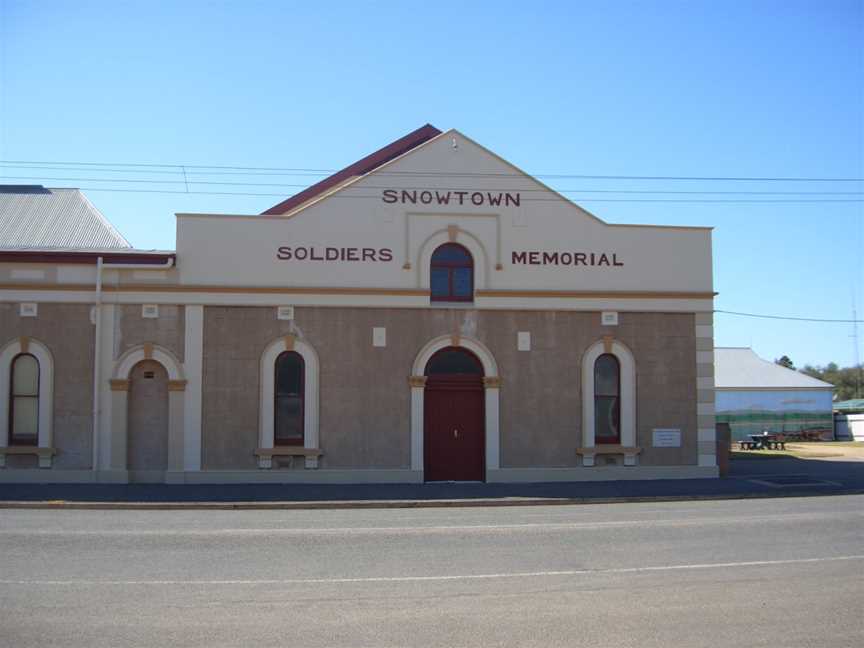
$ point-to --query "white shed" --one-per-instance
(754, 395)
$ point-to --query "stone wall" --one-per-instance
(167, 330)
(365, 397)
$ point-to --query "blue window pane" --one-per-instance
(289, 373)
(606, 375)
(453, 361)
(451, 253)
(606, 418)
(461, 282)
(289, 419)
(440, 282)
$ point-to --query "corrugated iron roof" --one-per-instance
(741, 368)
(33, 217)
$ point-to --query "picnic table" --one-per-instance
(764, 441)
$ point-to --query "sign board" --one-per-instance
(666, 438)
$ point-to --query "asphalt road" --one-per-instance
(779, 573)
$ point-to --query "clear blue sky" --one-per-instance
(732, 88)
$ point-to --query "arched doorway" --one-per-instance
(147, 441)
(454, 419)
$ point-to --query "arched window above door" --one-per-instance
(454, 361)
(451, 274)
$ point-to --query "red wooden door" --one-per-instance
(454, 435)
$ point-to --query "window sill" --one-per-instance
(289, 451)
(310, 455)
(45, 454)
(629, 453)
(609, 448)
(452, 304)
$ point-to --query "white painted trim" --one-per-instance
(194, 368)
(203, 297)
(705, 331)
(705, 357)
(46, 392)
(621, 304)
(107, 314)
(491, 403)
(628, 392)
(490, 367)
(465, 239)
(705, 382)
(126, 362)
(267, 391)
(707, 434)
(417, 422)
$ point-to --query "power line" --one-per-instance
(795, 319)
(344, 194)
(178, 167)
(426, 188)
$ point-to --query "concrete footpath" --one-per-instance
(754, 478)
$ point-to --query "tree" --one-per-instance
(848, 382)
(785, 361)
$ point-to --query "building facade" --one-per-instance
(431, 313)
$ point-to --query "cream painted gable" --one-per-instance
(378, 232)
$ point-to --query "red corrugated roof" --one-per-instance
(367, 164)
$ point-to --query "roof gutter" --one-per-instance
(159, 260)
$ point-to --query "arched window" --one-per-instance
(607, 399)
(24, 401)
(289, 395)
(454, 361)
(451, 275)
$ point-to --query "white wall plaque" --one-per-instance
(285, 313)
(379, 336)
(150, 311)
(523, 341)
(28, 310)
(666, 438)
(609, 318)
